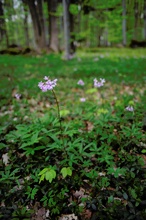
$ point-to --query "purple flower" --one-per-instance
(48, 84)
(102, 80)
(98, 84)
(17, 96)
(81, 82)
(129, 108)
(46, 78)
(82, 99)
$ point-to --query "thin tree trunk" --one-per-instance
(72, 35)
(3, 30)
(136, 19)
(66, 28)
(144, 19)
(3, 27)
(53, 26)
(2, 21)
(38, 23)
(26, 29)
(39, 7)
(86, 26)
(124, 22)
(106, 37)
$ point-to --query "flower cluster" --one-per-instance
(129, 108)
(98, 84)
(48, 84)
(17, 96)
(83, 99)
(81, 82)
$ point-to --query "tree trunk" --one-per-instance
(3, 30)
(13, 35)
(66, 28)
(2, 21)
(144, 19)
(72, 35)
(136, 19)
(26, 29)
(106, 37)
(124, 22)
(36, 12)
(53, 25)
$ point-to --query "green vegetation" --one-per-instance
(91, 157)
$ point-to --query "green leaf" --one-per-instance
(102, 111)
(143, 151)
(50, 175)
(69, 171)
(91, 91)
(2, 145)
(29, 151)
(40, 147)
(132, 174)
(64, 112)
(66, 171)
(133, 193)
(42, 178)
(33, 193)
(34, 138)
(110, 199)
(53, 173)
(125, 196)
(43, 171)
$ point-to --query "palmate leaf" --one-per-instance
(66, 171)
(33, 193)
(42, 178)
(43, 171)
(34, 139)
(48, 174)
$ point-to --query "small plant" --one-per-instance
(50, 173)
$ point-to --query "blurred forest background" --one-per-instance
(57, 25)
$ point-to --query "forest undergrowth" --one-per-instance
(73, 141)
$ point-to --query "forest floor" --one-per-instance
(124, 71)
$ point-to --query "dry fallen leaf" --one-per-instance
(68, 217)
(86, 215)
(5, 159)
(80, 193)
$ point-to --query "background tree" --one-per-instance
(53, 25)
(9, 21)
(2, 21)
(36, 11)
(26, 26)
(145, 19)
(66, 4)
(124, 22)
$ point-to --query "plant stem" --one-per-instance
(59, 117)
(58, 109)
